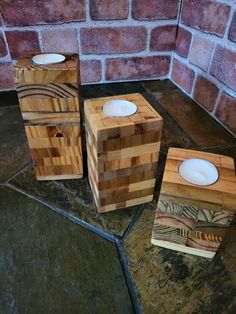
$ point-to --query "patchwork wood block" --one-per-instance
(50, 107)
(193, 219)
(122, 153)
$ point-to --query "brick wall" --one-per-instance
(116, 40)
(131, 40)
(204, 62)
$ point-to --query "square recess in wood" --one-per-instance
(122, 153)
(192, 218)
(49, 103)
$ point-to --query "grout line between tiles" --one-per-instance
(132, 223)
(24, 168)
(71, 217)
(129, 281)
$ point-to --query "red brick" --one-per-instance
(60, 40)
(205, 92)
(182, 75)
(20, 42)
(223, 66)
(137, 68)
(183, 42)
(163, 38)
(33, 12)
(113, 40)
(154, 9)
(226, 111)
(90, 71)
(6, 76)
(3, 49)
(108, 9)
(207, 15)
(232, 29)
(201, 52)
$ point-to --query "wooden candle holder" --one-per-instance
(122, 153)
(49, 103)
(193, 219)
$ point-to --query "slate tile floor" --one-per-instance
(58, 255)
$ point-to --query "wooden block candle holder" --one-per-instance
(192, 218)
(49, 103)
(122, 152)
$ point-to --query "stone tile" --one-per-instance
(52, 265)
(158, 85)
(161, 9)
(41, 12)
(60, 40)
(201, 52)
(20, 42)
(108, 9)
(90, 71)
(6, 76)
(14, 152)
(163, 38)
(8, 98)
(173, 282)
(223, 66)
(205, 92)
(3, 49)
(111, 89)
(232, 29)
(137, 67)
(172, 134)
(75, 197)
(104, 40)
(183, 42)
(226, 111)
(206, 15)
(182, 75)
(202, 129)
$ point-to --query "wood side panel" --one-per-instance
(56, 150)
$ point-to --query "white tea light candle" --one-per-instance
(198, 171)
(119, 108)
(48, 58)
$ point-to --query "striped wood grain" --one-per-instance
(122, 153)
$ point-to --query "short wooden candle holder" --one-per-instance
(49, 102)
(122, 153)
(190, 218)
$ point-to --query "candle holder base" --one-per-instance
(191, 218)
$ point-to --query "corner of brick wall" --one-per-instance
(204, 61)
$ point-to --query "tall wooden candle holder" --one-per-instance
(191, 218)
(49, 102)
(122, 152)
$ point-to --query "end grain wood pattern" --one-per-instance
(49, 103)
(193, 219)
(122, 153)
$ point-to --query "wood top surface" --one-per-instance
(100, 121)
(26, 71)
(221, 193)
(26, 62)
